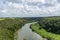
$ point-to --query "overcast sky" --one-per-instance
(29, 8)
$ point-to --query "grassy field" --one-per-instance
(48, 27)
(8, 26)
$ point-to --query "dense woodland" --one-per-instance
(51, 24)
(8, 26)
(48, 27)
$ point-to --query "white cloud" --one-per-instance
(4, 11)
(15, 5)
(12, 8)
(42, 1)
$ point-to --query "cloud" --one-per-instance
(4, 11)
(58, 1)
(29, 8)
(15, 5)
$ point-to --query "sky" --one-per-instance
(29, 8)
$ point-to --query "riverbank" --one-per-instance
(42, 32)
(8, 26)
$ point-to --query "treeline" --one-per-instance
(50, 24)
(8, 26)
(12, 24)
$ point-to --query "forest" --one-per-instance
(48, 27)
(8, 26)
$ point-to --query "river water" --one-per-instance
(27, 34)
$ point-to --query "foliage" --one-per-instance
(51, 24)
(8, 26)
(42, 32)
(48, 27)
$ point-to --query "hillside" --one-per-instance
(8, 26)
(48, 27)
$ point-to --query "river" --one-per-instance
(27, 34)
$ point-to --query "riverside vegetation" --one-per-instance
(48, 27)
(8, 26)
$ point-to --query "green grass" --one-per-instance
(36, 28)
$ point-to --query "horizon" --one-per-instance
(29, 17)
